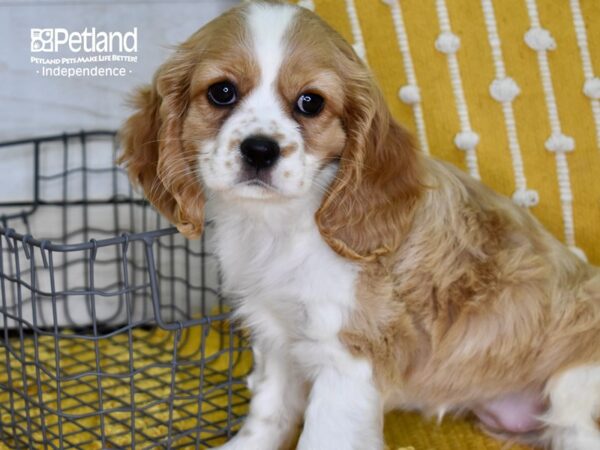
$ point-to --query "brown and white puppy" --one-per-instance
(371, 276)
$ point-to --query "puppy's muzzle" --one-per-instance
(260, 152)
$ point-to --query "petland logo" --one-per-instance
(58, 52)
(51, 40)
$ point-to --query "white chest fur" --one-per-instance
(291, 289)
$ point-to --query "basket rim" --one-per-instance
(56, 137)
(124, 239)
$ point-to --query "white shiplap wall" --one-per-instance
(32, 105)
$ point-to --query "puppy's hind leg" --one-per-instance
(574, 409)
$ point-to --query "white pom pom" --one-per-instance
(540, 39)
(579, 253)
(566, 197)
(526, 197)
(560, 143)
(466, 140)
(504, 89)
(591, 88)
(409, 94)
(447, 42)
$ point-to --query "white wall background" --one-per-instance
(33, 105)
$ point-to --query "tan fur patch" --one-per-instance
(478, 301)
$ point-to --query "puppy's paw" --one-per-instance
(239, 444)
(246, 441)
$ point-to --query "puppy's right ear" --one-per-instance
(156, 157)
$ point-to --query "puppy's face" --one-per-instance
(254, 106)
(266, 110)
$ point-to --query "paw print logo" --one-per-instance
(42, 40)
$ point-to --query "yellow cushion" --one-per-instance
(476, 72)
(78, 398)
(472, 21)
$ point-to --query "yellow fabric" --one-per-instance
(409, 431)
(477, 72)
(152, 351)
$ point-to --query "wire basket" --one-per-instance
(114, 332)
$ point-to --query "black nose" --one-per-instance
(259, 151)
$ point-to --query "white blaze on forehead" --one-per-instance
(268, 26)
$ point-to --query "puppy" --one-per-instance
(370, 276)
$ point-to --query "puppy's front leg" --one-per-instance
(278, 400)
(344, 411)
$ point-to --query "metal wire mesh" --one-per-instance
(114, 333)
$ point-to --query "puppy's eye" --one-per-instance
(310, 104)
(222, 94)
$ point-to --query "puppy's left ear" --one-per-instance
(369, 207)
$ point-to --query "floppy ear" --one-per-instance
(156, 156)
(369, 207)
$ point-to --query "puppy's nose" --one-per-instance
(260, 152)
